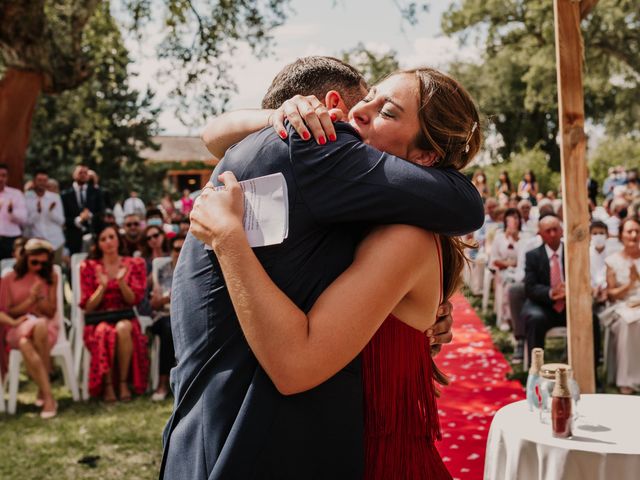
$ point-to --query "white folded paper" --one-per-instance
(266, 210)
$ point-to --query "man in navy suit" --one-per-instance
(544, 284)
(83, 205)
(229, 421)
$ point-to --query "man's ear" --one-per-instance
(426, 158)
(333, 99)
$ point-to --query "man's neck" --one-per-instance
(599, 249)
(40, 193)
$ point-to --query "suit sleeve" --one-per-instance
(534, 289)
(348, 181)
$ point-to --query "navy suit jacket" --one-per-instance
(537, 276)
(229, 421)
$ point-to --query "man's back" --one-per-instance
(230, 421)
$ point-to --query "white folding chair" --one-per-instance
(154, 352)
(77, 315)
(61, 351)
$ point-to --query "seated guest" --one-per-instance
(545, 307)
(183, 226)
(132, 237)
(529, 224)
(154, 245)
(623, 289)
(155, 217)
(160, 302)
(490, 222)
(503, 258)
(597, 254)
(111, 284)
(28, 295)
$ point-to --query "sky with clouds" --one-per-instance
(325, 27)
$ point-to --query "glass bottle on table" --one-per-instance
(547, 385)
(534, 397)
(561, 405)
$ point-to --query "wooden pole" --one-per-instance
(569, 55)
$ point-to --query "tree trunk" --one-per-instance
(19, 91)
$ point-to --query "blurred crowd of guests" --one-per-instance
(521, 243)
(40, 228)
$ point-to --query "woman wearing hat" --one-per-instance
(28, 297)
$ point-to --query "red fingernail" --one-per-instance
(332, 137)
(322, 140)
(333, 117)
(306, 135)
(283, 134)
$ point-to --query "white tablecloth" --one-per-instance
(605, 443)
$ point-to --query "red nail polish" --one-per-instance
(306, 135)
(283, 134)
(322, 140)
(332, 137)
(333, 117)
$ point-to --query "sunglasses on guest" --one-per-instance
(177, 249)
(132, 224)
(153, 236)
(34, 262)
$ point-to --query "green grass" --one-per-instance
(126, 437)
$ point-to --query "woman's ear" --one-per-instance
(424, 158)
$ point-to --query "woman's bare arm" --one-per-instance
(231, 127)
(298, 350)
(618, 291)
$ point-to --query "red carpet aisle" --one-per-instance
(478, 389)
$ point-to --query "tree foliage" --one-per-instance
(373, 65)
(102, 123)
(615, 150)
(514, 81)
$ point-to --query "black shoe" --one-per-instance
(518, 352)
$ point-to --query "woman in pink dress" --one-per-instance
(383, 304)
(111, 282)
(186, 203)
(28, 297)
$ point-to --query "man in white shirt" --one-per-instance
(134, 205)
(45, 216)
(529, 224)
(13, 213)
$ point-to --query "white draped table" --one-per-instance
(605, 444)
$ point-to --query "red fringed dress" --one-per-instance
(100, 339)
(400, 410)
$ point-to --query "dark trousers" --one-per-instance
(540, 319)
(517, 298)
(6, 247)
(162, 328)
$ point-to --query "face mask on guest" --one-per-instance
(599, 240)
(156, 222)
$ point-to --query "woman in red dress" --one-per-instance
(384, 302)
(113, 282)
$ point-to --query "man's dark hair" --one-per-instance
(597, 224)
(173, 240)
(40, 171)
(315, 76)
(4, 166)
(153, 212)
